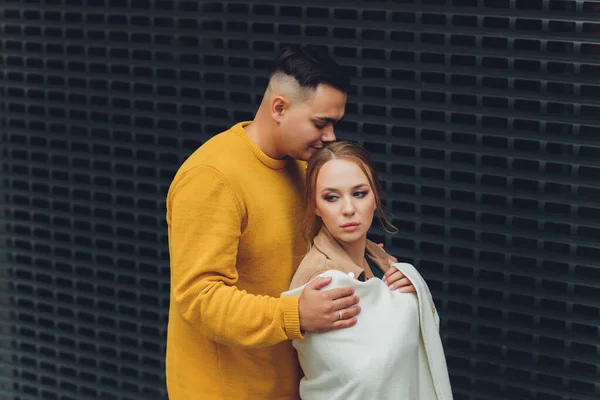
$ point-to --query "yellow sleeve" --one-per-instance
(205, 219)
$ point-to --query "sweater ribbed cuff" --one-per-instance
(291, 317)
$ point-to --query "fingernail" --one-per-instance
(385, 280)
(391, 287)
(402, 290)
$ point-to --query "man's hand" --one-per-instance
(322, 311)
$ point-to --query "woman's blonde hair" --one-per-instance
(341, 150)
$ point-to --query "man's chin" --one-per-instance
(310, 152)
(303, 156)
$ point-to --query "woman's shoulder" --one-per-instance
(313, 263)
(378, 255)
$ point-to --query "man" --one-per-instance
(234, 212)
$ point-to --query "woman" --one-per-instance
(394, 351)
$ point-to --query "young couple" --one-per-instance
(236, 212)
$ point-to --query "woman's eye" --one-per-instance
(330, 198)
(360, 194)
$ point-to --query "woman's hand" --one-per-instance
(397, 281)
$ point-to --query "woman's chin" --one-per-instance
(350, 237)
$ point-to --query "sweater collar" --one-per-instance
(262, 157)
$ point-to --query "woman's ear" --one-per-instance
(317, 213)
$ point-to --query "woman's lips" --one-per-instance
(350, 226)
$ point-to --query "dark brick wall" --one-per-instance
(482, 116)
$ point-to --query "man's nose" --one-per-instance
(328, 136)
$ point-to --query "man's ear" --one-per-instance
(278, 106)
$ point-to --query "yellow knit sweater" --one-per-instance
(234, 218)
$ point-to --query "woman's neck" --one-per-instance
(356, 250)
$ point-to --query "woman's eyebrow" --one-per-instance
(360, 185)
(330, 189)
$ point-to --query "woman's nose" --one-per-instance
(348, 207)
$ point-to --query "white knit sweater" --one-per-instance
(393, 352)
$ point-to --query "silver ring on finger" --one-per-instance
(340, 313)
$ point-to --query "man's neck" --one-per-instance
(262, 137)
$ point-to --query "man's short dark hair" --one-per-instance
(311, 66)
